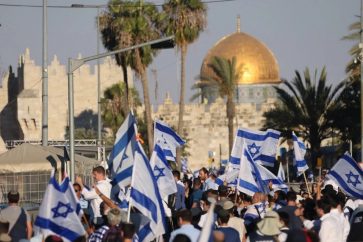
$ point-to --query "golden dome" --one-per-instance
(258, 63)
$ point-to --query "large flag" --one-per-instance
(60, 212)
(121, 158)
(145, 196)
(299, 150)
(167, 139)
(281, 173)
(229, 177)
(348, 174)
(262, 146)
(162, 172)
(247, 182)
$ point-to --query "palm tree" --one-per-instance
(128, 23)
(225, 77)
(353, 66)
(186, 20)
(305, 107)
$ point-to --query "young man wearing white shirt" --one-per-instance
(104, 186)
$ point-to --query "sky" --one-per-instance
(300, 33)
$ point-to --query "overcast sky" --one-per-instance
(301, 33)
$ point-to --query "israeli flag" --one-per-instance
(121, 158)
(184, 164)
(281, 172)
(262, 146)
(162, 172)
(230, 177)
(247, 182)
(60, 212)
(267, 177)
(167, 139)
(348, 175)
(300, 151)
(145, 196)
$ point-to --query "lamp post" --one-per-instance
(74, 64)
(99, 119)
(45, 78)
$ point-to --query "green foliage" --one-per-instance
(353, 67)
(306, 107)
(115, 106)
(185, 19)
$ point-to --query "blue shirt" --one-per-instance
(230, 234)
(179, 197)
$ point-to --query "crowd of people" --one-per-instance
(324, 214)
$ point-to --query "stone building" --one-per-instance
(21, 100)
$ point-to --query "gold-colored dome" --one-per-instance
(258, 63)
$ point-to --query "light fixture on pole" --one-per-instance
(99, 119)
(74, 64)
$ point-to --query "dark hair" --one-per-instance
(309, 209)
(284, 217)
(13, 197)
(181, 238)
(176, 174)
(185, 215)
(324, 205)
(129, 230)
(281, 195)
(197, 181)
(223, 191)
(99, 169)
(53, 238)
(77, 185)
(291, 196)
(204, 170)
(223, 216)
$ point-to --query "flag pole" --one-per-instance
(307, 185)
(287, 173)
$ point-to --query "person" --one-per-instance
(294, 221)
(267, 230)
(20, 226)
(180, 194)
(255, 212)
(284, 230)
(186, 227)
(104, 186)
(235, 222)
(230, 234)
(330, 230)
(197, 192)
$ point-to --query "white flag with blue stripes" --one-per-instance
(121, 158)
(348, 175)
(299, 151)
(208, 227)
(262, 145)
(267, 176)
(230, 177)
(145, 196)
(162, 172)
(249, 182)
(167, 139)
(59, 213)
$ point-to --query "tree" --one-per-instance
(353, 66)
(129, 23)
(186, 20)
(225, 77)
(305, 107)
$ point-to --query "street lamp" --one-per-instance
(99, 119)
(45, 78)
(74, 64)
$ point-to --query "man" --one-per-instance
(180, 194)
(185, 222)
(204, 178)
(295, 222)
(235, 222)
(19, 220)
(197, 192)
(255, 212)
(330, 230)
(104, 186)
(230, 234)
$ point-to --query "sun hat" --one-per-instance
(270, 224)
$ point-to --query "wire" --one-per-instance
(92, 6)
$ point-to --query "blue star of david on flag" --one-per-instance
(253, 149)
(355, 179)
(62, 210)
(160, 172)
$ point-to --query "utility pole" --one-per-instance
(45, 78)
